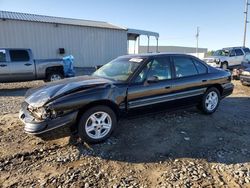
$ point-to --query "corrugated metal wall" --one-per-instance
(90, 46)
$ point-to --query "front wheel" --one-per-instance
(97, 124)
(210, 101)
(224, 65)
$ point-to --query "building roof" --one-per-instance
(6, 15)
(174, 49)
(134, 33)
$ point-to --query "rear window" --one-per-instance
(19, 55)
(246, 50)
(2, 56)
(202, 69)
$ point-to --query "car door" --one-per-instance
(4, 67)
(232, 58)
(151, 86)
(239, 56)
(22, 66)
(190, 79)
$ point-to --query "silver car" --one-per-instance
(227, 57)
(19, 65)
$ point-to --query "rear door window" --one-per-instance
(2, 55)
(184, 66)
(19, 55)
(239, 52)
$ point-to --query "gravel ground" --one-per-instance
(179, 149)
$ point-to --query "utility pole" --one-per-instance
(246, 21)
(197, 40)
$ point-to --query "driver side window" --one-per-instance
(159, 67)
(232, 53)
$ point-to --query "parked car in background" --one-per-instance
(243, 71)
(227, 57)
(18, 65)
(127, 85)
(245, 77)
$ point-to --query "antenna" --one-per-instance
(197, 40)
(246, 21)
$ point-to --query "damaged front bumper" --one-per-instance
(33, 126)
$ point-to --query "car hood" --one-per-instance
(39, 96)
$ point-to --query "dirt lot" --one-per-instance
(178, 149)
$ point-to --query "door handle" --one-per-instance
(27, 64)
(204, 80)
(3, 65)
(168, 87)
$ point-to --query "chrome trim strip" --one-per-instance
(166, 98)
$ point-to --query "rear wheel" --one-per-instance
(210, 101)
(97, 124)
(54, 76)
(245, 84)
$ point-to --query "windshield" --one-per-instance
(220, 53)
(119, 69)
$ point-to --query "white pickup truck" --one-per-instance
(18, 65)
(227, 57)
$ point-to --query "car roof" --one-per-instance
(15, 49)
(147, 55)
(231, 48)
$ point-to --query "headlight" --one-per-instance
(207, 60)
(39, 113)
(217, 60)
(245, 73)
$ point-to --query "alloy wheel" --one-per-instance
(55, 77)
(98, 125)
(211, 101)
(224, 66)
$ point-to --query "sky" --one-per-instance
(221, 22)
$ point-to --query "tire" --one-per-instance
(54, 76)
(245, 84)
(224, 65)
(235, 77)
(209, 105)
(97, 131)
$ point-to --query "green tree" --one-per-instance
(210, 53)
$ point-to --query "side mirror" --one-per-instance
(152, 79)
(97, 67)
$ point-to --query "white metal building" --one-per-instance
(90, 42)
